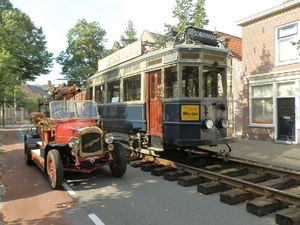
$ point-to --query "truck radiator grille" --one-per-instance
(91, 143)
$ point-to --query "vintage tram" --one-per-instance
(173, 98)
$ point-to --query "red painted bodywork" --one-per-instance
(63, 130)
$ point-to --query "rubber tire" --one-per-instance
(119, 164)
(27, 154)
(54, 169)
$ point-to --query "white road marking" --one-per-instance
(96, 219)
(68, 189)
(92, 216)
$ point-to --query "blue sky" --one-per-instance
(57, 17)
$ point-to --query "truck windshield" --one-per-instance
(73, 109)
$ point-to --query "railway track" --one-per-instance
(265, 188)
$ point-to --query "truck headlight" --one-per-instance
(109, 138)
(73, 142)
(74, 151)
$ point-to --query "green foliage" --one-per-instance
(129, 36)
(24, 42)
(85, 47)
(32, 103)
(188, 14)
(23, 53)
(5, 5)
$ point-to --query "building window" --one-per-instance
(262, 104)
(286, 52)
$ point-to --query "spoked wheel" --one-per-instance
(54, 169)
(27, 154)
(119, 164)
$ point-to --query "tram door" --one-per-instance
(154, 103)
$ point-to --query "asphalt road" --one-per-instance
(138, 198)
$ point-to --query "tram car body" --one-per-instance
(174, 98)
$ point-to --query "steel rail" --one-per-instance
(271, 169)
(235, 182)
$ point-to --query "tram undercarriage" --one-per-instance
(140, 143)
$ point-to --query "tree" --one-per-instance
(129, 35)
(188, 14)
(23, 54)
(85, 47)
(24, 42)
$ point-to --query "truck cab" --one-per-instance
(71, 138)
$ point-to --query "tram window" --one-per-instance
(171, 83)
(190, 81)
(113, 91)
(99, 93)
(156, 87)
(213, 83)
(132, 88)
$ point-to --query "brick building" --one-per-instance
(235, 85)
(271, 74)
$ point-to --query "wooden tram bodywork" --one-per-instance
(181, 102)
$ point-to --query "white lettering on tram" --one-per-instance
(129, 52)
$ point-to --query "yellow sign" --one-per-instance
(190, 112)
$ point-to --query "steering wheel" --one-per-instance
(61, 114)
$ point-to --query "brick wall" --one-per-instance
(259, 43)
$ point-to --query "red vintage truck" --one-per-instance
(71, 138)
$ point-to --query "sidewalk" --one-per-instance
(282, 155)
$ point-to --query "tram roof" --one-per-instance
(165, 51)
